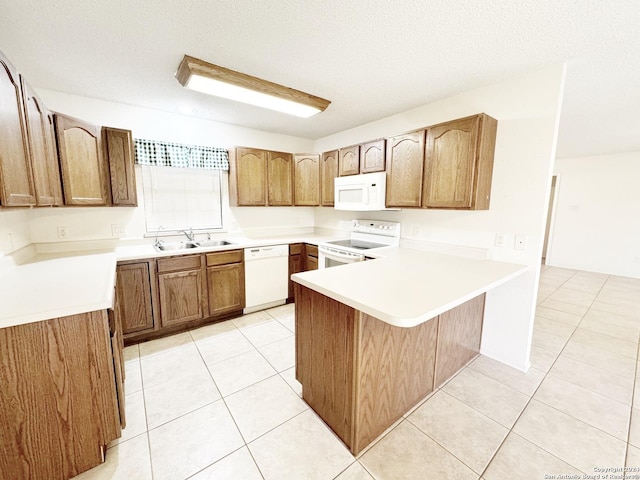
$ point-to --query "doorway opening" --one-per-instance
(550, 212)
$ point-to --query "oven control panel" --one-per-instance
(377, 227)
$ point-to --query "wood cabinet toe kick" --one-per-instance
(361, 374)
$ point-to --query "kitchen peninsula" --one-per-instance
(374, 338)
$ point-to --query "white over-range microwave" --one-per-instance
(360, 193)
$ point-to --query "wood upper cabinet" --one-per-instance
(306, 178)
(279, 179)
(16, 180)
(459, 163)
(83, 165)
(225, 282)
(328, 172)
(372, 156)
(181, 282)
(118, 149)
(133, 293)
(44, 157)
(260, 177)
(405, 159)
(349, 160)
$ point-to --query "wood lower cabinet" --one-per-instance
(134, 296)
(44, 158)
(296, 265)
(306, 179)
(361, 374)
(181, 289)
(372, 156)
(405, 160)
(225, 282)
(58, 400)
(328, 172)
(85, 173)
(349, 160)
(118, 149)
(311, 256)
(16, 179)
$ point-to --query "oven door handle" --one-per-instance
(333, 254)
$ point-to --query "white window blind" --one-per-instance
(180, 198)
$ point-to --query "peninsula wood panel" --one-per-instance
(372, 156)
(394, 371)
(405, 161)
(324, 358)
(328, 172)
(459, 334)
(16, 181)
(58, 401)
(349, 160)
(306, 179)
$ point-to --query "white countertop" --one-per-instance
(404, 287)
(56, 285)
(408, 287)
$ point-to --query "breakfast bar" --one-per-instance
(368, 350)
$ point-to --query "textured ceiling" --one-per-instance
(371, 58)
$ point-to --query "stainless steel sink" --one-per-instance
(165, 246)
(213, 243)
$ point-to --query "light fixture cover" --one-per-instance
(208, 78)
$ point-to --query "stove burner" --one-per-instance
(356, 244)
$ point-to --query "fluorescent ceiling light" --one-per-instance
(214, 80)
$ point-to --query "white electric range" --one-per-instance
(366, 236)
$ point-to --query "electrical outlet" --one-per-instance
(118, 230)
(62, 232)
(520, 242)
(499, 240)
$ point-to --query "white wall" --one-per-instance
(596, 221)
(14, 230)
(527, 110)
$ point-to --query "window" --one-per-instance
(181, 198)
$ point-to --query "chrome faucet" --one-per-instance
(189, 234)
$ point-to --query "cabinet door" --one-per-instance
(16, 181)
(450, 164)
(349, 160)
(306, 178)
(372, 157)
(133, 291)
(44, 160)
(118, 148)
(54, 165)
(226, 288)
(295, 266)
(279, 179)
(180, 297)
(83, 166)
(328, 172)
(251, 172)
(405, 158)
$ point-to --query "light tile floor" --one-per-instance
(221, 402)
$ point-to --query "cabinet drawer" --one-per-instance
(312, 250)
(222, 258)
(295, 249)
(184, 262)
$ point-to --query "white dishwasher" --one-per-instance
(266, 276)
